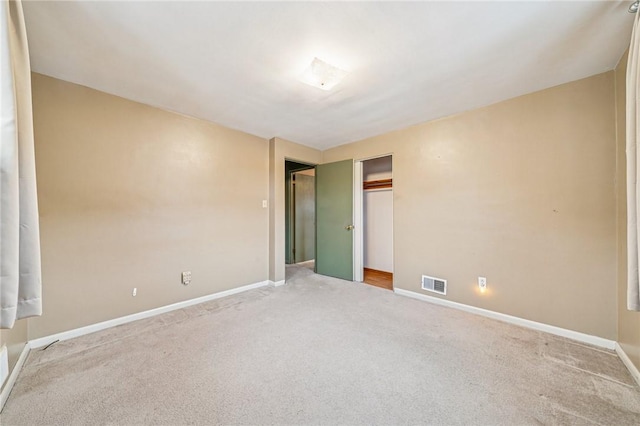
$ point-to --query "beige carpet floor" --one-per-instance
(322, 351)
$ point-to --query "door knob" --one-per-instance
(349, 227)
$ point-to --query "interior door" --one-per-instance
(334, 219)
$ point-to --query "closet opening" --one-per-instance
(375, 190)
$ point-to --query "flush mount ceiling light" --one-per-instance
(322, 75)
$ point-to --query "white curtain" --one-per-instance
(20, 278)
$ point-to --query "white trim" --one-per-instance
(70, 334)
(551, 329)
(4, 365)
(358, 223)
(276, 283)
(373, 157)
(628, 363)
(6, 391)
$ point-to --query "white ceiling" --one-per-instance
(237, 64)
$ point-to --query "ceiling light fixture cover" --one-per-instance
(322, 75)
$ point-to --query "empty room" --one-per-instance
(319, 213)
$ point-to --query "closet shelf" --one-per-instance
(377, 184)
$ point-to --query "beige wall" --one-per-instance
(279, 151)
(131, 196)
(628, 321)
(521, 192)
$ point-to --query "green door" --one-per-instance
(334, 219)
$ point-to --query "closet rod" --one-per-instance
(377, 184)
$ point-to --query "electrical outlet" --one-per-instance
(186, 277)
(482, 283)
(134, 292)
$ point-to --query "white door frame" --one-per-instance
(358, 216)
(358, 223)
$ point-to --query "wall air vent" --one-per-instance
(436, 285)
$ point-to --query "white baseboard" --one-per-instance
(276, 283)
(628, 363)
(4, 365)
(70, 334)
(563, 332)
(4, 395)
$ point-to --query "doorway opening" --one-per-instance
(300, 223)
(374, 211)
